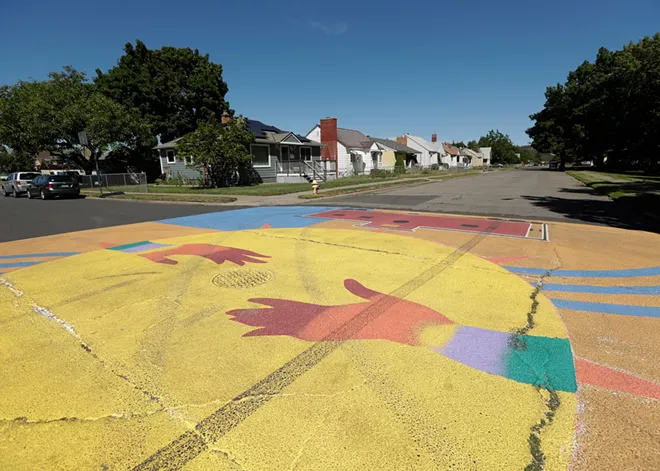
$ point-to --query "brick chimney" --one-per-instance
(329, 138)
(226, 117)
(402, 140)
(434, 137)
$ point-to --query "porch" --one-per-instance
(302, 170)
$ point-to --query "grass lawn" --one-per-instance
(616, 185)
(635, 188)
(179, 198)
(273, 189)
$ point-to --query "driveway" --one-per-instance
(525, 193)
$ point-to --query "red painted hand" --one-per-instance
(381, 317)
(216, 253)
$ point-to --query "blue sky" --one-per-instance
(455, 68)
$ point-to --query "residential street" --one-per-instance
(24, 218)
(525, 193)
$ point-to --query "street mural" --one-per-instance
(208, 336)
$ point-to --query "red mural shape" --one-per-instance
(382, 316)
(215, 253)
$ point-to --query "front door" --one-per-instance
(285, 156)
(375, 156)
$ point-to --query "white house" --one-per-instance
(485, 155)
(452, 157)
(349, 147)
(430, 152)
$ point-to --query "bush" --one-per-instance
(379, 173)
(400, 163)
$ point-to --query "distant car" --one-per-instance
(497, 166)
(554, 165)
(49, 186)
(18, 183)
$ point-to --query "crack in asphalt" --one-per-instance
(48, 314)
(346, 246)
(552, 403)
(192, 443)
(518, 341)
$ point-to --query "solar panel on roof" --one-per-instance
(259, 129)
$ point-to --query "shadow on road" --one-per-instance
(625, 213)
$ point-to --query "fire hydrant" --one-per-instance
(315, 187)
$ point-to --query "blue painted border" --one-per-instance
(18, 264)
(650, 271)
(622, 309)
(254, 218)
(649, 290)
(37, 255)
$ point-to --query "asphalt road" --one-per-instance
(23, 218)
(538, 194)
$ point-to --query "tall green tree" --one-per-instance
(608, 109)
(503, 151)
(174, 88)
(221, 152)
(472, 144)
(529, 156)
(12, 161)
(48, 115)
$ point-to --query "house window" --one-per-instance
(306, 153)
(260, 155)
(189, 160)
(286, 154)
(171, 159)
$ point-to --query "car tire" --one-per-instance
(29, 194)
(5, 193)
(42, 193)
(14, 193)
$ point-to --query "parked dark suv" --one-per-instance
(49, 186)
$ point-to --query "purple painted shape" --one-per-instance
(142, 248)
(484, 350)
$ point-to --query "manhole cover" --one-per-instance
(242, 278)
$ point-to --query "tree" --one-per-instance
(529, 155)
(48, 115)
(12, 161)
(606, 110)
(503, 151)
(173, 88)
(472, 145)
(221, 152)
(459, 144)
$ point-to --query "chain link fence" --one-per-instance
(116, 182)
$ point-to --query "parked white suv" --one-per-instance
(18, 183)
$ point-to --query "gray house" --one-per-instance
(277, 156)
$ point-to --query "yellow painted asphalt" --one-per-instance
(110, 358)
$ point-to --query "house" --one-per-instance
(354, 152)
(452, 156)
(475, 158)
(349, 148)
(384, 152)
(485, 155)
(431, 152)
(277, 156)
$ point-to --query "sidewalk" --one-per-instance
(291, 199)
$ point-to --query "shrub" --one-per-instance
(379, 173)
